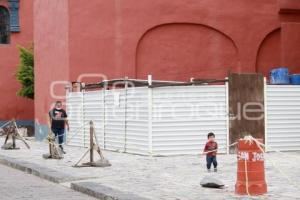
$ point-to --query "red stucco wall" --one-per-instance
(123, 37)
(170, 39)
(12, 106)
(51, 53)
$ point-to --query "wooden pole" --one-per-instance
(98, 147)
(91, 142)
(17, 133)
(14, 141)
(93, 146)
(7, 136)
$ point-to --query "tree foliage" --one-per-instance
(25, 72)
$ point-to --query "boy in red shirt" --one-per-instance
(210, 150)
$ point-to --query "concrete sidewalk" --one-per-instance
(153, 178)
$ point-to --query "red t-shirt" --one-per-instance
(209, 146)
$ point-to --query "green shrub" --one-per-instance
(25, 72)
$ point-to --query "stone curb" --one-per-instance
(37, 170)
(92, 189)
(102, 192)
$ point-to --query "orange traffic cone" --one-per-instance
(250, 171)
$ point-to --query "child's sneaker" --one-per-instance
(215, 170)
(208, 170)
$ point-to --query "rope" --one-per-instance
(206, 152)
(54, 152)
(246, 176)
(250, 139)
(259, 144)
(51, 139)
(277, 151)
(282, 173)
(5, 124)
(77, 131)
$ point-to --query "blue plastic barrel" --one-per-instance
(280, 76)
(295, 79)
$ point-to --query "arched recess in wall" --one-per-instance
(180, 51)
(269, 53)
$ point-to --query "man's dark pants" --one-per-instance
(59, 132)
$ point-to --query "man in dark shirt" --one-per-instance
(58, 121)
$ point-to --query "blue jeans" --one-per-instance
(211, 160)
(59, 132)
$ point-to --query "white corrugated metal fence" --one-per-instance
(158, 121)
(282, 117)
(175, 120)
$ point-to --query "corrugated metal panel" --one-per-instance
(283, 117)
(182, 117)
(114, 120)
(93, 109)
(137, 120)
(75, 137)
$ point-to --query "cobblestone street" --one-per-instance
(157, 178)
(17, 185)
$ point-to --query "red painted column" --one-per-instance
(291, 46)
(290, 34)
(51, 57)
